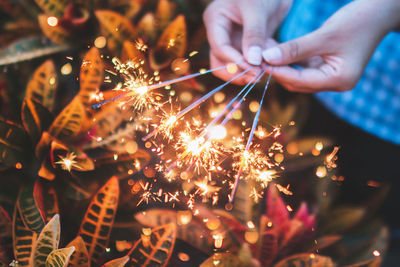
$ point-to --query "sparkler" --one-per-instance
(249, 141)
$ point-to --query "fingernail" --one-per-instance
(254, 55)
(272, 54)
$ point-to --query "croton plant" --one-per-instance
(69, 200)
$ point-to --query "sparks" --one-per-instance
(68, 162)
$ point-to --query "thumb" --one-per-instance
(294, 51)
(254, 35)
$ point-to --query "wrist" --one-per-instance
(386, 13)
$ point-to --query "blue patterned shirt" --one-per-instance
(374, 104)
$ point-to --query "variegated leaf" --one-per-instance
(154, 249)
(276, 208)
(59, 257)
(57, 33)
(5, 236)
(80, 258)
(23, 240)
(30, 204)
(43, 84)
(53, 7)
(99, 218)
(14, 143)
(116, 28)
(120, 262)
(306, 260)
(70, 121)
(47, 241)
(91, 76)
(29, 48)
(35, 118)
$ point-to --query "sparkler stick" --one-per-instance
(162, 84)
(228, 106)
(199, 101)
(252, 83)
(249, 141)
(229, 116)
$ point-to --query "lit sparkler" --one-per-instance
(68, 162)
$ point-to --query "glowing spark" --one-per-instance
(68, 162)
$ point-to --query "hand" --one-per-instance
(238, 31)
(335, 55)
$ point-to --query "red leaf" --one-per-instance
(268, 248)
(276, 208)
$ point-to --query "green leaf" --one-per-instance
(80, 258)
(29, 48)
(306, 260)
(35, 118)
(155, 248)
(341, 219)
(30, 204)
(99, 218)
(120, 262)
(5, 236)
(43, 84)
(47, 241)
(14, 143)
(222, 260)
(23, 240)
(59, 257)
(91, 76)
(53, 7)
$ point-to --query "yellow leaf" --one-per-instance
(116, 28)
(42, 87)
(59, 257)
(70, 121)
(57, 33)
(99, 218)
(91, 76)
(47, 241)
(146, 27)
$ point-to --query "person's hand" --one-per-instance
(238, 31)
(334, 56)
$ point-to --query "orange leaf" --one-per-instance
(91, 76)
(99, 218)
(154, 249)
(116, 28)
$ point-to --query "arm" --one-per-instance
(337, 53)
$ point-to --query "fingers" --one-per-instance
(311, 80)
(219, 29)
(226, 75)
(295, 50)
(254, 31)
